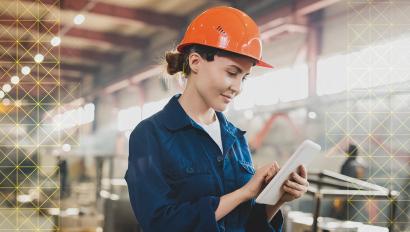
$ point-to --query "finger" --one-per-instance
(267, 168)
(270, 175)
(293, 192)
(303, 171)
(263, 171)
(295, 186)
(298, 179)
(272, 171)
(276, 166)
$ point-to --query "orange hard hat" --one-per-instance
(228, 29)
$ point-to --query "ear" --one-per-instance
(195, 61)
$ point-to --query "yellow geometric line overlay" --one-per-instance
(28, 136)
(372, 119)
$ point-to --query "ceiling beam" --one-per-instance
(34, 91)
(26, 58)
(55, 28)
(290, 18)
(77, 67)
(305, 7)
(31, 90)
(51, 64)
(109, 37)
(300, 8)
(145, 16)
(43, 75)
(62, 50)
(90, 54)
(52, 68)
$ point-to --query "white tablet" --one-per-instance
(302, 156)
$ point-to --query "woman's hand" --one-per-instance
(295, 186)
(262, 176)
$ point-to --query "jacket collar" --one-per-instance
(175, 118)
(173, 115)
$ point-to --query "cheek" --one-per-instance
(214, 82)
(220, 81)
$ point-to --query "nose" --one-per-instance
(236, 86)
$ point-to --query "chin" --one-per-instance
(220, 107)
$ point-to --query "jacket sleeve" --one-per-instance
(150, 194)
(257, 220)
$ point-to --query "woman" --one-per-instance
(189, 168)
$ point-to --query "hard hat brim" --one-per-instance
(263, 64)
(260, 63)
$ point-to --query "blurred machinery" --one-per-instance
(346, 187)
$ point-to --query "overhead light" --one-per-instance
(79, 19)
(2, 94)
(6, 101)
(6, 88)
(55, 41)
(24, 198)
(104, 194)
(54, 211)
(71, 212)
(66, 147)
(114, 197)
(15, 80)
(25, 70)
(89, 107)
(312, 115)
(38, 58)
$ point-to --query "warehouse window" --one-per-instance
(75, 117)
(374, 66)
(151, 108)
(129, 118)
(331, 75)
(283, 85)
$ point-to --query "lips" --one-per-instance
(227, 98)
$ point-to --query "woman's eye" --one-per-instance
(231, 74)
(244, 79)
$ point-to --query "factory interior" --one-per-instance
(78, 76)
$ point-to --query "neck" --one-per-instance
(196, 107)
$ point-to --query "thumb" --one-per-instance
(302, 171)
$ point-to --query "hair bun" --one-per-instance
(174, 62)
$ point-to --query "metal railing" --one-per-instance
(347, 187)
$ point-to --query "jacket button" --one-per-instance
(189, 170)
(220, 158)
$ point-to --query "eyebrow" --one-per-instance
(238, 69)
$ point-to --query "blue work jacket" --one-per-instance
(177, 173)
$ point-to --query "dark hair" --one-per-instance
(352, 151)
(178, 61)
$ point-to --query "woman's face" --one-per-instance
(219, 81)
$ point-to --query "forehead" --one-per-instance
(243, 63)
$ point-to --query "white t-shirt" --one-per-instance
(214, 131)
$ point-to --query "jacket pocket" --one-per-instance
(246, 166)
(244, 174)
